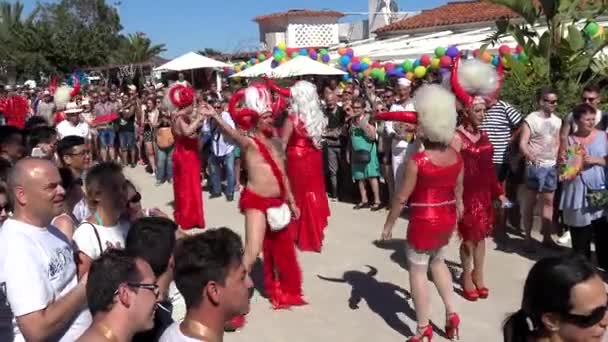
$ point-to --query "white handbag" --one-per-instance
(278, 217)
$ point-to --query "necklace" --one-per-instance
(107, 333)
(200, 331)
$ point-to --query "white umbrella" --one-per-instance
(257, 70)
(191, 61)
(304, 65)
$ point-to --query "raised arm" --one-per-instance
(228, 130)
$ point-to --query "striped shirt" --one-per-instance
(499, 123)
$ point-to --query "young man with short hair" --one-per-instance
(210, 274)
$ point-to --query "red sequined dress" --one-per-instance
(187, 192)
(480, 188)
(305, 173)
(433, 204)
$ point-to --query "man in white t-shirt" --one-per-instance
(37, 269)
(210, 274)
(398, 131)
(540, 142)
(72, 125)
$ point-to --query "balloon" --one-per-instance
(376, 65)
(600, 32)
(592, 28)
(452, 51)
(416, 64)
(440, 51)
(325, 58)
(278, 56)
(486, 57)
(344, 60)
(476, 53)
(282, 46)
(356, 67)
(313, 54)
(366, 60)
(360, 75)
(364, 66)
(350, 52)
(389, 66)
(294, 54)
(445, 71)
(504, 49)
(410, 76)
(519, 49)
(355, 60)
(341, 51)
(303, 52)
(435, 63)
(251, 60)
(505, 63)
(495, 60)
(346, 77)
(425, 60)
(445, 62)
(391, 72)
(367, 73)
(523, 56)
(323, 52)
(274, 64)
(408, 65)
(262, 57)
(420, 72)
(311, 51)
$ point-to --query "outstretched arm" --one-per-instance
(228, 130)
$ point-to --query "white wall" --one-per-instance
(312, 31)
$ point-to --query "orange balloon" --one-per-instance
(367, 72)
(410, 76)
(342, 51)
(486, 57)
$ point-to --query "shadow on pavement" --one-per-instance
(384, 299)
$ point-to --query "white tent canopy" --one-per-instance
(304, 65)
(257, 70)
(191, 61)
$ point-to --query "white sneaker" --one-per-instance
(564, 239)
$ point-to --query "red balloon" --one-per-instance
(376, 65)
(425, 60)
(311, 52)
(504, 50)
(389, 66)
(519, 49)
(445, 61)
(476, 53)
(355, 60)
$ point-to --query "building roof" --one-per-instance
(299, 13)
(452, 13)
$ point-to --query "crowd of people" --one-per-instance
(80, 259)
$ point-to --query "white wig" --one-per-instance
(478, 78)
(436, 107)
(306, 107)
(62, 96)
(258, 98)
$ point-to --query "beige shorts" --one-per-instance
(423, 258)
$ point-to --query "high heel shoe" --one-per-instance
(470, 295)
(482, 292)
(423, 332)
(452, 329)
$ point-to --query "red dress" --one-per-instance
(433, 204)
(305, 173)
(481, 187)
(187, 192)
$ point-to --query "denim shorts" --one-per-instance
(127, 139)
(107, 136)
(541, 178)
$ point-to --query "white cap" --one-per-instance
(46, 93)
(404, 82)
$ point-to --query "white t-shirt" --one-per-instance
(544, 137)
(173, 334)
(66, 129)
(81, 211)
(109, 237)
(398, 145)
(36, 268)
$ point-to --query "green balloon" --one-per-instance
(323, 52)
(408, 65)
(262, 57)
(294, 55)
(592, 28)
(523, 57)
(440, 51)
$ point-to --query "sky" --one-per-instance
(226, 25)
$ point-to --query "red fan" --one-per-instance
(104, 119)
(408, 117)
(181, 95)
(15, 109)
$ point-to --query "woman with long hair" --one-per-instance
(475, 82)
(187, 192)
(66, 222)
(564, 300)
(302, 133)
(432, 183)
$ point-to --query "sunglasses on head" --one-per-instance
(586, 321)
(135, 199)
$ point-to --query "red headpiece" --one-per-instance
(407, 117)
(181, 96)
(14, 109)
(246, 118)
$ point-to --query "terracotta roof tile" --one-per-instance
(299, 13)
(452, 13)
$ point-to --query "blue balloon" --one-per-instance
(364, 66)
(344, 60)
(346, 77)
(274, 64)
(325, 58)
(495, 60)
(313, 55)
(416, 63)
(356, 67)
(303, 52)
(452, 51)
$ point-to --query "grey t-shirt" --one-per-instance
(46, 109)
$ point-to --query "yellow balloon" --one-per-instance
(282, 46)
(420, 72)
(435, 62)
(410, 76)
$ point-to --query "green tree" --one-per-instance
(137, 48)
(210, 52)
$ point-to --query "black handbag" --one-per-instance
(361, 157)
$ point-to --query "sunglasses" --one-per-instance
(586, 321)
(550, 101)
(6, 207)
(151, 287)
(135, 199)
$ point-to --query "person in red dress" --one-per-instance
(301, 134)
(187, 192)
(266, 201)
(481, 187)
(431, 184)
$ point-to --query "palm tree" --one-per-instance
(137, 48)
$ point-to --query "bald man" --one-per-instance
(37, 270)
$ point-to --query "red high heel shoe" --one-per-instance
(425, 332)
(482, 292)
(452, 326)
(470, 295)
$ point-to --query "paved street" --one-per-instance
(357, 290)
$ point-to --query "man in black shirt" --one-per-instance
(333, 141)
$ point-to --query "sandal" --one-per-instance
(361, 206)
(376, 207)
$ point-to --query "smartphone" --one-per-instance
(37, 152)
